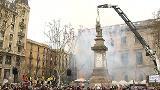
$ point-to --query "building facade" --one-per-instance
(126, 58)
(14, 17)
(37, 55)
(42, 61)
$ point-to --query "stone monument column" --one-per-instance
(100, 75)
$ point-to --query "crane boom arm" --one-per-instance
(133, 28)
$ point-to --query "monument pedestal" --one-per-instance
(100, 78)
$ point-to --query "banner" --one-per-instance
(154, 78)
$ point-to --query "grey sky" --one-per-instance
(83, 12)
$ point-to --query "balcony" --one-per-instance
(21, 34)
(20, 43)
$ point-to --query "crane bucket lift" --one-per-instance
(149, 51)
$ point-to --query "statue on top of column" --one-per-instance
(98, 25)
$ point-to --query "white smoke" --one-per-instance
(112, 36)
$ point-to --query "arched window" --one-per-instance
(113, 77)
(141, 77)
(126, 78)
(124, 58)
(11, 37)
(139, 57)
(123, 40)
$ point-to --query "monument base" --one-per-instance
(100, 77)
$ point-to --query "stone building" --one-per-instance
(63, 60)
(14, 15)
(126, 58)
(36, 58)
(42, 61)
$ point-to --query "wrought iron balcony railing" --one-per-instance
(21, 34)
(20, 43)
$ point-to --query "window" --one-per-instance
(1, 16)
(23, 12)
(1, 59)
(8, 60)
(1, 43)
(6, 73)
(139, 57)
(123, 40)
(1, 35)
(23, 20)
(66, 61)
(4, 23)
(11, 37)
(19, 48)
(112, 42)
(18, 61)
(126, 78)
(6, 13)
(113, 77)
(21, 24)
(30, 56)
(13, 18)
(124, 58)
(55, 61)
(140, 77)
(136, 40)
(10, 46)
(12, 27)
(63, 65)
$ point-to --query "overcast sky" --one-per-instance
(83, 12)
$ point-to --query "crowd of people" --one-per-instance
(48, 85)
(38, 86)
(21, 86)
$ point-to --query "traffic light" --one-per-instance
(69, 72)
(14, 71)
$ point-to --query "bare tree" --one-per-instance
(155, 27)
(60, 39)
